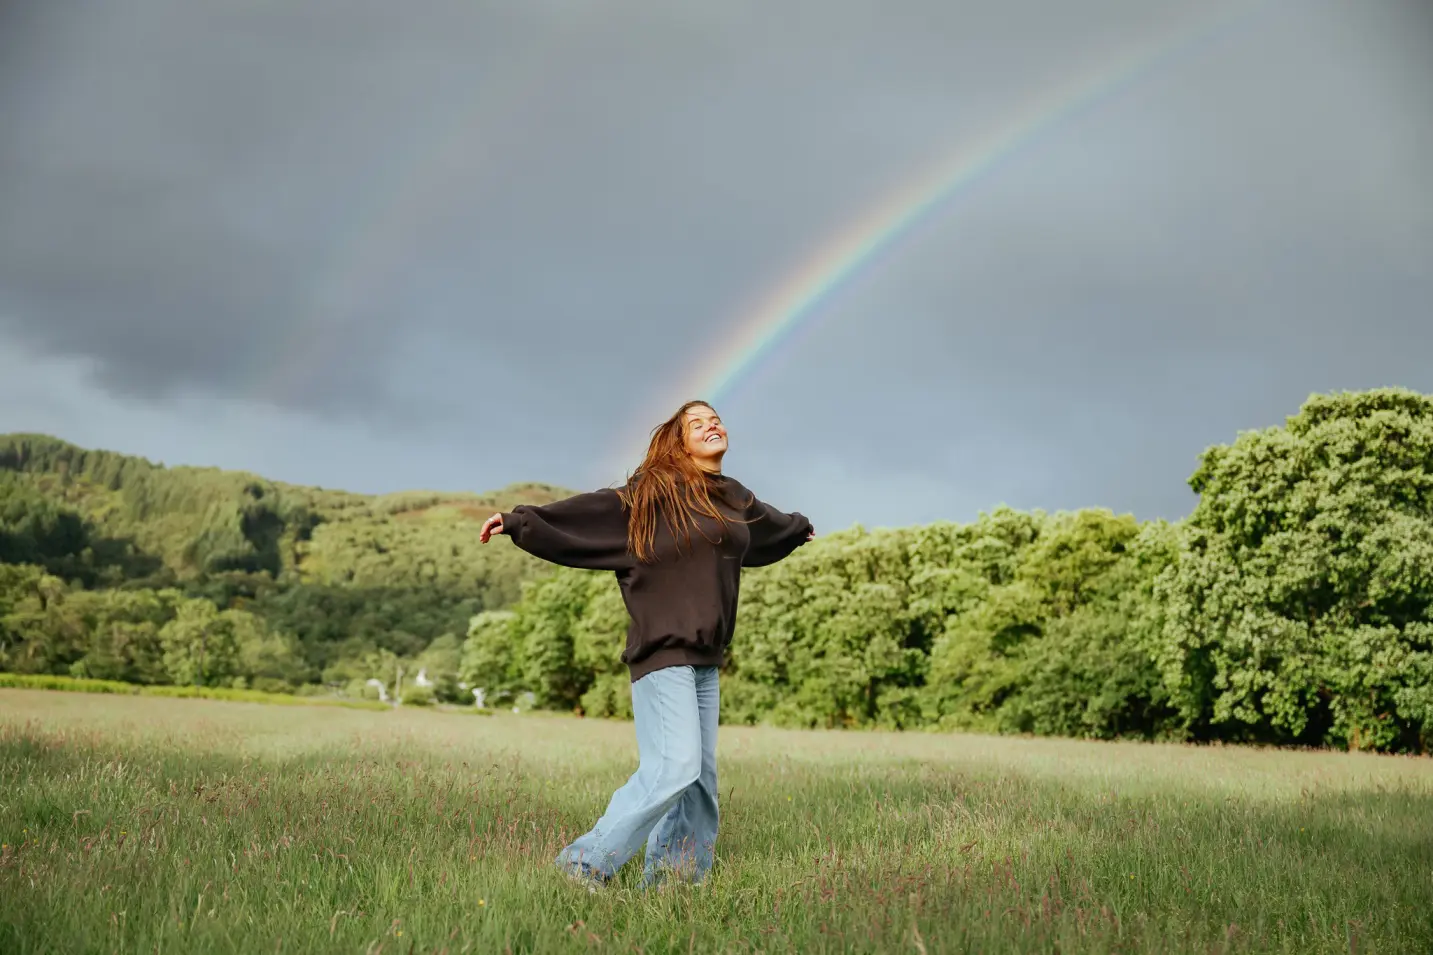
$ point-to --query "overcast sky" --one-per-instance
(453, 244)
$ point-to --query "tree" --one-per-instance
(1091, 671)
(490, 654)
(598, 637)
(546, 620)
(37, 632)
(1298, 609)
(267, 659)
(440, 662)
(35, 529)
(123, 633)
(201, 645)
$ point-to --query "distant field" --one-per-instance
(138, 824)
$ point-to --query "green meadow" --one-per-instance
(143, 824)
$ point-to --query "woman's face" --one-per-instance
(704, 437)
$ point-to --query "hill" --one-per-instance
(342, 572)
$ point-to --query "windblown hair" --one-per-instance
(667, 486)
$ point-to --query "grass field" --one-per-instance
(139, 824)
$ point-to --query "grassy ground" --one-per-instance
(139, 824)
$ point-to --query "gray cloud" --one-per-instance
(504, 228)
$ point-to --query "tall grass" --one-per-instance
(142, 824)
(70, 684)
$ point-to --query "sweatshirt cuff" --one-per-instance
(512, 523)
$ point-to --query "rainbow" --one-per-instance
(796, 298)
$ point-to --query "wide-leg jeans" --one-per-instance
(670, 802)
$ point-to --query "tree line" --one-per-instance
(1292, 606)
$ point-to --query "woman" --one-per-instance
(676, 535)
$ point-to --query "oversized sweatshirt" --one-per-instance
(683, 604)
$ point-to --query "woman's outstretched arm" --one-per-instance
(774, 534)
(587, 530)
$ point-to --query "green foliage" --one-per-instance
(1295, 605)
(137, 636)
(123, 633)
(1057, 649)
(1299, 607)
(1018, 622)
(201, 646)
(35, 529)
(562, 644)
(193, 519)
(827, 634)
(414, 695)
(598, 638)
(341, 577)
(441, 662)
(491, 653)
(70, 684)
(1092, 673)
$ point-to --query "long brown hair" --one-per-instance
(668, 486)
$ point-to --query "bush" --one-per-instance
(415, 695)
(610, 697)
(28, 681)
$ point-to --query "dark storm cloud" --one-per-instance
(495, 215)
(199, 194)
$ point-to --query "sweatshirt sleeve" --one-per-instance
(587, 531)
(774, 534)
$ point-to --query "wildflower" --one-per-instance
(482, 901)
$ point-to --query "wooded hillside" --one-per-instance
(347, 577)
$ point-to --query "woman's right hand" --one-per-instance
(491, 526)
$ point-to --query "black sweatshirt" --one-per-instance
(683, 604)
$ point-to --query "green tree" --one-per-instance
(38, 634)
(546, 622)
(1091, 671)
(35, 529)
(490, 653)
(268, 659)
(440, 662)
(826, 637)
(201, 645)
(123, 633)
(598, 637)
(1049, 629)
(1298, 609)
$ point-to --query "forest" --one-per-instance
(1290, 607)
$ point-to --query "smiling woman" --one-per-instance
(681, 591)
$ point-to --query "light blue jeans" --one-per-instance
(670, 802)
